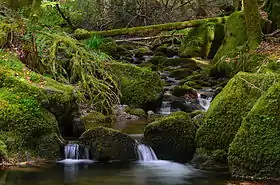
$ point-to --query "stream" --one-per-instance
(135, 173)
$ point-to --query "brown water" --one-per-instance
(145, 173)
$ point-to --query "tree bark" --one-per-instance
(253, 23)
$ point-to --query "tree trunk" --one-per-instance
(273, 9)
(253, 24)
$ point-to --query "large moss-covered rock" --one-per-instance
(227, 110)
(107, 144)
(202, 41)
(26, 102)
(235, 36)
(140, 87)
(172, 137)
(232, 46)
(255, 149)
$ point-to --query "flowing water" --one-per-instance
(138, 173)
(145, 153)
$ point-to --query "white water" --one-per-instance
(74, 153)
(71, 151)
(165, 108)
(145, 153)
(205, 103)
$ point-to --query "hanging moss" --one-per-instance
(255, 149)
(139, 86)
(227, 110)
(172, 137)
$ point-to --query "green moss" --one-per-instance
(139, 86)
(26, 102)
(172, 137)
(182, 90)
(144, 30)
(198, 42)
(255, 149)
(108, 144)
(185, 62)
(140, 52)
(95, 119)
(136, 111)
(229, 107)
(180, 73)
(235, 36)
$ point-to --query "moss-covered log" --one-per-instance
(144, 30)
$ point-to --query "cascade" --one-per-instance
(75, 151)
(204, 102)
(145, 152)
(165, 108)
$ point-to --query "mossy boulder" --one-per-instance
(140, 87)
(27, 100)
(202, 41)
(95, 119)
(180, 73)
(107, 144)
(172, 137)
(255, 149)
(182, 90)
(235, 36)
(223, 118)
(140, 52)
(137, 112)
(184, 62)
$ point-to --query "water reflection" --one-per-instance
(140, 173)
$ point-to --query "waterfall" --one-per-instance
(145, 153)
(165, 108)
(204, 102)
(75, 151)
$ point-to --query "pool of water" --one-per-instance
(88, 173)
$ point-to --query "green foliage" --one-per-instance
(69, 61)
(172, 137)
(256, 146)
(3, 151)
(94, 42)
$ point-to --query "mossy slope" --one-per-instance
(172, 137)
(25, 100)
(255, 149)
(227, 110)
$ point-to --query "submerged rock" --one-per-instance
(172, 137)
(107, 144)
(255, 149)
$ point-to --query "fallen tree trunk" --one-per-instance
(146, 30)
(148, 38)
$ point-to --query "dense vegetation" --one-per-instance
(67, 68)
